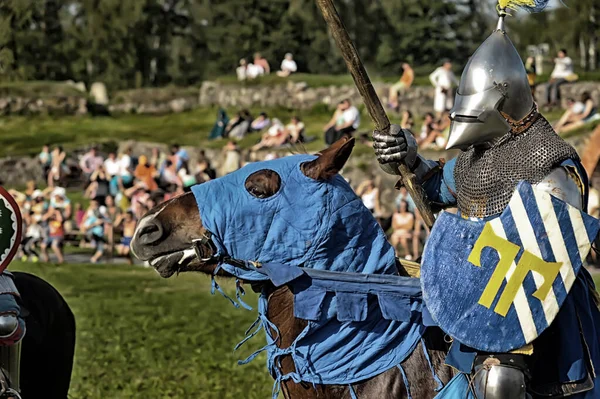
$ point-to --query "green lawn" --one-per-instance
(140, 336)
(22, 135)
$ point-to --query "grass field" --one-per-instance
(22, 135)
(140, 336)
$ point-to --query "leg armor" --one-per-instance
(10, 359)
(12, 330)
(500, 377)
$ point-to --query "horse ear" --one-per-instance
(330, 160)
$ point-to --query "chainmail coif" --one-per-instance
(486, 179)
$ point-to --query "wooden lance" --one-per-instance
(371, 100)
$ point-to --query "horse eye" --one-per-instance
(263, 184)
(254, 191)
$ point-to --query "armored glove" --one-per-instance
(393, 148)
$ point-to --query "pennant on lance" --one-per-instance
(496, 285)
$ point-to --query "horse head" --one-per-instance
(294, 210)
(285, 214)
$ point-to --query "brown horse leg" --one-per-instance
(387, 385)
(420, 378)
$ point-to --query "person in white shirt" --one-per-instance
(111, 165)
(563, 70)
(253, 71)
(443, 79)
(288, 66)
(241, 71)
(345, 121)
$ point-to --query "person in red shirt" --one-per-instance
(56, 234)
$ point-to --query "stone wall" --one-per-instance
(300, 96)
(67, 105)
(418, 99)
(292, 95)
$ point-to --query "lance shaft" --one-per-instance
(371, 100)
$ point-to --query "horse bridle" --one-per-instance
(205, 242)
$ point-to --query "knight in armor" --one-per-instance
(505, 140)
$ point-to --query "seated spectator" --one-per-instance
(407, 120)
(146, 173)
(99, 186)
(426, 128)
(232, 159)
(124, 178)
(531, 69)
(187, 179)
(260, 123)
(128, 223)
(438, 136)
(58, 167)
(406, 80)
(239, 126)
(138, 198)
(254, 71)
(204, 172)
(574, 108)
(180, 156)
(79, 215)
(59, 200)
(577, 120)
(38, 205)
(241, 71)
(402, 224)
(89, 162)
(93, 227)
(218, 129)
(274, 137)
(111, 211)
(295, 130)
(288, 66)
(34, 235)
(45, 160)
(563, 73)
(169, 179)
(30, 188)
(369, 194)
(56, 235)
(403, 195)
(345, 122)
(262, 62)
(111, 166)
(420, 234)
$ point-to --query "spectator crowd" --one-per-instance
(118, 188)
(261, 67)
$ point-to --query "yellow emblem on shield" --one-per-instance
(507, 252)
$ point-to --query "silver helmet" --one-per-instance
(493, 85)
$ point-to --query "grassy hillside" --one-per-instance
(140, 336)
(38, 89)
(25, 135)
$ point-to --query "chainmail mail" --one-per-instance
(486, 179)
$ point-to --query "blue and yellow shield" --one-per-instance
(496, 285)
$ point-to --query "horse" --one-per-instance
(48, 347)
(173, 238)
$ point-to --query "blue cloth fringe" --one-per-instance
(405, 378)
